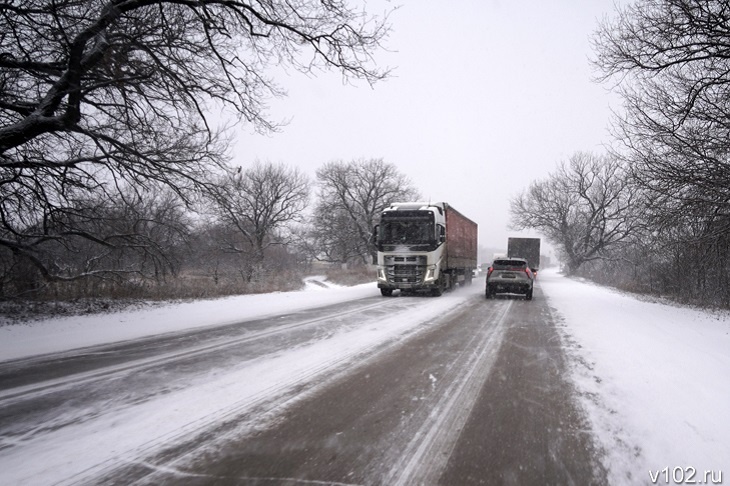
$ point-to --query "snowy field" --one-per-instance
(653, 378)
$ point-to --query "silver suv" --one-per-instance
(510, 276)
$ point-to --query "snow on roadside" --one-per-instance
(654, 380)
(64, 333)
(318, 282)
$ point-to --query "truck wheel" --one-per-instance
(386, 292)
(441, 286)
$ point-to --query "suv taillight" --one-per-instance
(489, 272)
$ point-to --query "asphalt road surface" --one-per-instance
(476, 395)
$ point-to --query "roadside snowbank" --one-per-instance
(654, 380)
(65, 333)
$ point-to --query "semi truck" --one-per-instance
(424, 246)
(527, 248)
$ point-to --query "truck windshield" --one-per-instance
(407, 230)
(408, 233)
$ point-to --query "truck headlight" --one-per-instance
(381, 274)
(430, 273)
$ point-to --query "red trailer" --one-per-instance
(461, 241)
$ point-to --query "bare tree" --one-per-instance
(258, 204)
(585, 208)
(352, 196)
(333, 237)
(671, 61)
(100, 95)
(132, 236)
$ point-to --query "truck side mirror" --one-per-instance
(442, 234)
(376, 230)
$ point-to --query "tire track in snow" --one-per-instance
(36, 390)
(426, 455)
(34, 410)
(184, 418)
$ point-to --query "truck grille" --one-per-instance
(405, 269)
(413, 260)
(405, 274)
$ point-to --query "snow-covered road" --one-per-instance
(129, 415)
(651, 377)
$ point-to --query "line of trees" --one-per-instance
(112, 173)
(654, 213)
(255, 232)
(113, 176)
(108, 151)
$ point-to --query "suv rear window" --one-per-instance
(509, 264)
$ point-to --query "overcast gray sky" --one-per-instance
(486, 96)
